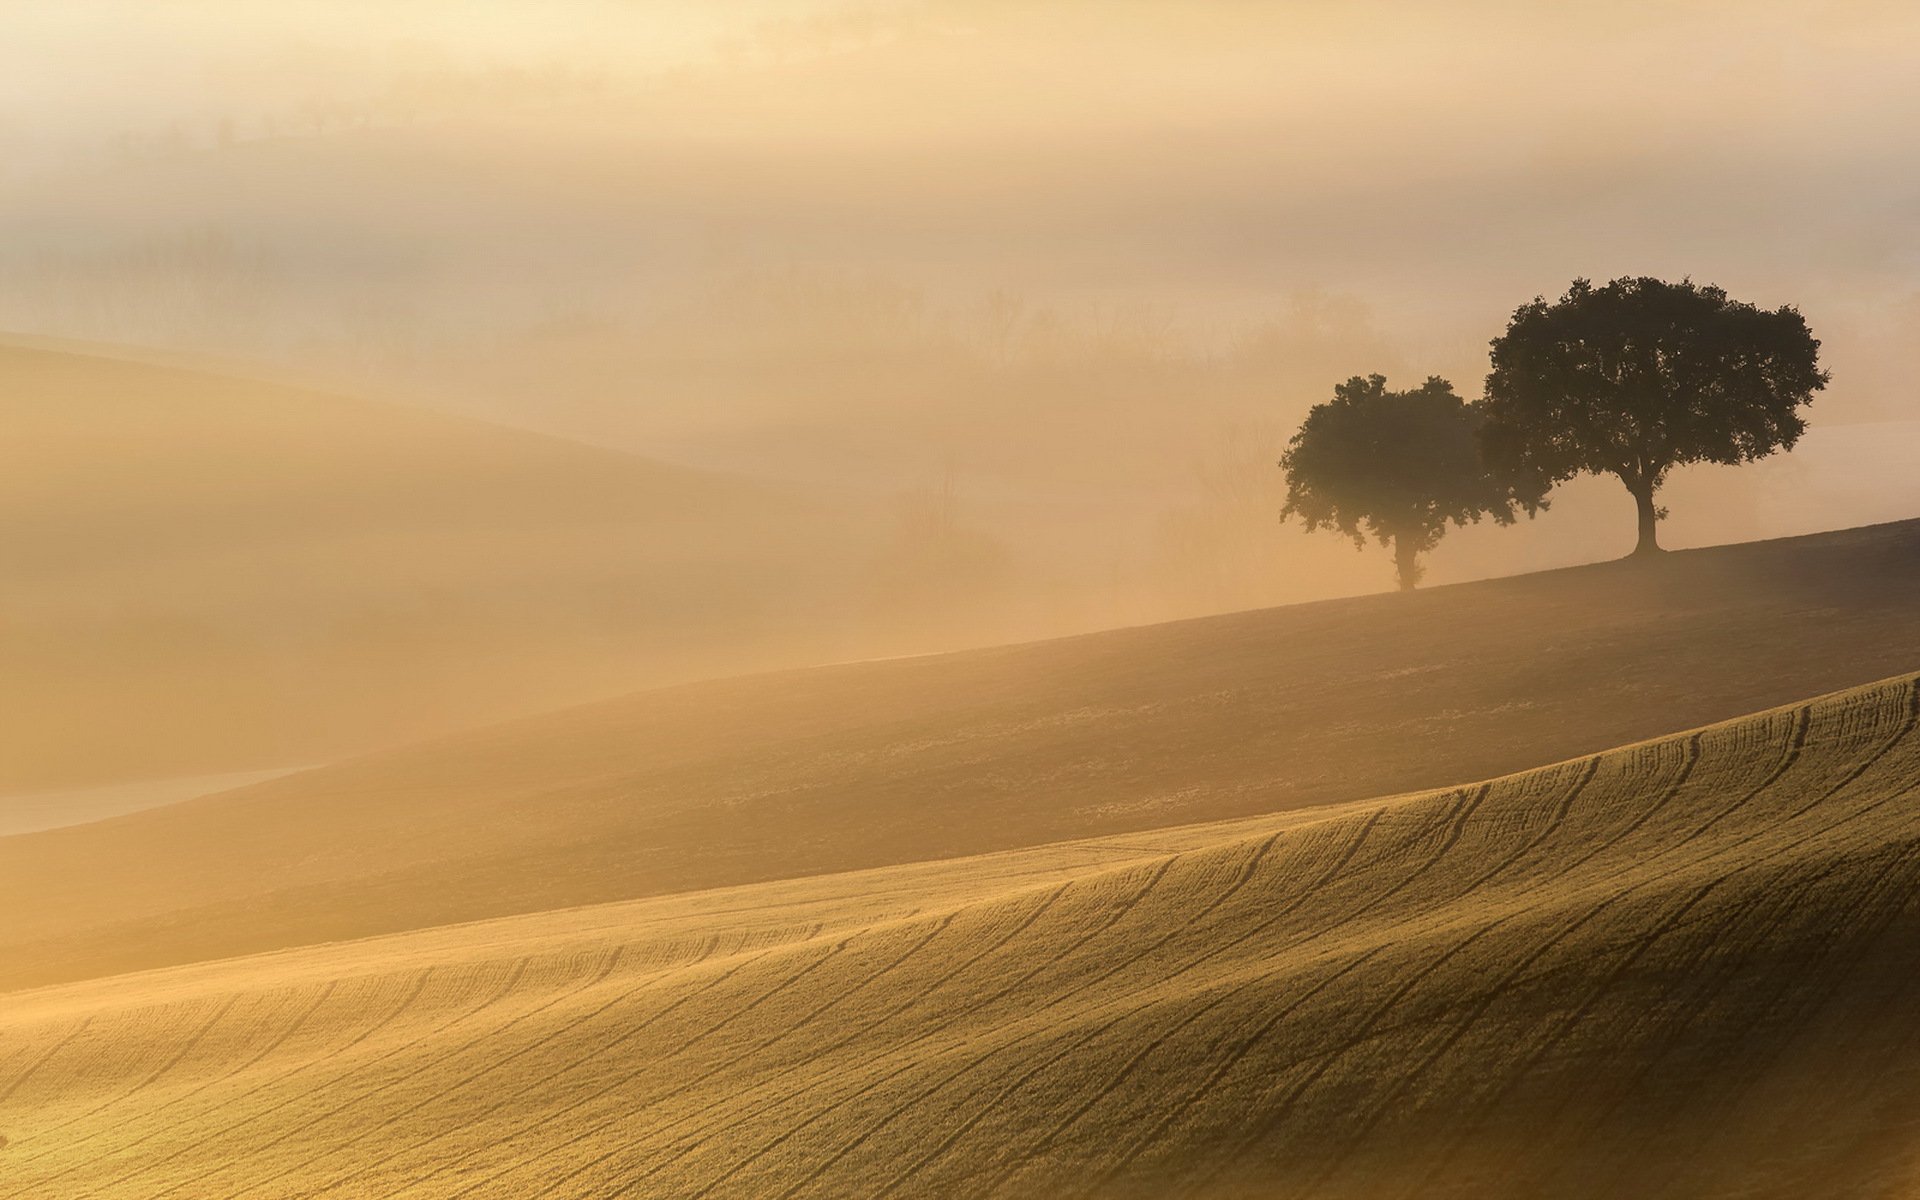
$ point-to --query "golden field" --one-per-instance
(1689, 966)
(870, 764)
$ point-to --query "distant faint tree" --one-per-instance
(1639, 376)
(937, 578)
(1215, 548)
(1399, 466)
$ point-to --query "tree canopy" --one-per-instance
(1397, 466)
(1638, 376)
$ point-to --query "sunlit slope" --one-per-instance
(1689, 967)
(201, 573)
(779, 776)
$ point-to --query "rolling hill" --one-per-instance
(205, 573)
(869, 764)
(1688, 967)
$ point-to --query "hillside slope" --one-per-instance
(205, 573)
(779, 776)
(1686, 968)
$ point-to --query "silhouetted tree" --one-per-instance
(1640, 376)
(1395, 465)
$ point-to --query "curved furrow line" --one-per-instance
(329, 1056)
(1555, 823)
(1112, 1085)
(1460, 1029)
(1457, 825)
(1871, 894)
(1159, 872)
(1016, 930)
(37, 1063)
(1169, 1117)
(715, 982)
(702, 1138)
(1611, 841)
(1542, 1045)
(1332, 871)
(598, 977)
(954, 1136)
(621, 1038)
(576, 1104)
(1879, 755)
(1454, 820)
(1324, 1061)
(1869, 763)
(1053, 1135)
(292, 1028)
(1666, 798)
(1772, 779)
(1718, 935)
(1462, 810)
(1897, 1002)
(1247, 1044)
(806, 1020)
(1553, 826)
(1747, 797)
(1245, 875)
(406, 1002)
(1795, 751)
(1613, 977)
(173, 1061)
(1225, 1066)
(1897, 902)
(1346, 857)
(19, 1052)
(1913, 717)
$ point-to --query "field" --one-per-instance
(209, 574)
(779, 776)
(1689, 966)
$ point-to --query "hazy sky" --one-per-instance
(566, 214)
(1212, 156)
(1018, 302)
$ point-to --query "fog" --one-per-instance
(1031, 293)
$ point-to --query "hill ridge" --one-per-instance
(733, 781)
(209, 573)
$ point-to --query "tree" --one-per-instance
(1640, 376)
(1398, 466)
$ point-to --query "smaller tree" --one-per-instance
(1397, 466)
(1639, 376)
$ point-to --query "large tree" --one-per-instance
(1640, 376)
(1399, 466)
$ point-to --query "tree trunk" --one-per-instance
(1406, 561)
(1649, 519)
